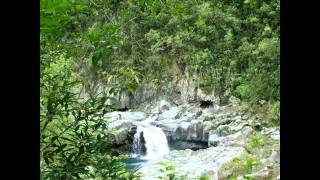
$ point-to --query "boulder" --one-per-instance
(275, 157)
(233, 99)
(123, 132)
(193, 163)
(214, 140)
(223, 130)
(164, 106)
(261, 174)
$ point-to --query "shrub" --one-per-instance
(240, 166)
(243, 91)
(274, 112)
(256, 141)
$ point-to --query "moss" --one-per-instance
(208, 118)
(178, 116)
(198, 114)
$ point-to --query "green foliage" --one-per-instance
(73, 133)
(168, 172)
(274, 111)
(204, 176)
(257, 141)
(241, 166)
(250, 164)
(227, 45)
(243, 91)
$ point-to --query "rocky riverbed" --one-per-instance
(210, 138)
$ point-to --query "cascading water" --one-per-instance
(150, 142)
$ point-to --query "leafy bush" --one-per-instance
(257, 141)
(168, 172)
(274, 112)
(243, 91)
(73, 133)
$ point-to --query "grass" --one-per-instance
(258, 147)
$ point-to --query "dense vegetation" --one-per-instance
(228, 45)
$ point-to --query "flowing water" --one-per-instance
(150, 142)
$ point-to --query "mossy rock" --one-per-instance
(209, 118)
(178, 116)
(240, 166)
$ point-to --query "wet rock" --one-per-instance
(182, 145)
(142, 144)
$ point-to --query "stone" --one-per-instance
(193, 163)
(275, 157)
(223, 130)
(209, 118)
(261, 174)
(247, 131)
(233, 99)
(245, 117)
(214, 140)
(164, 106)
(223, 134)
(207, 126)
(262, 102)
(169, 114)
(182, 145)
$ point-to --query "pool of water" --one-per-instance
(134, 163)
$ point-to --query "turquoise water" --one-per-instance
(134, 163)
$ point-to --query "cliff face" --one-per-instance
(182, 91)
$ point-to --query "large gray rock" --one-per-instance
(164, 106)
(214, 140)
(208, 161)
(117, 117)
(122, 133)
(236, 139)
(122, 125)
(189, 122)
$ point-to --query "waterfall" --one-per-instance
(149, 142)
